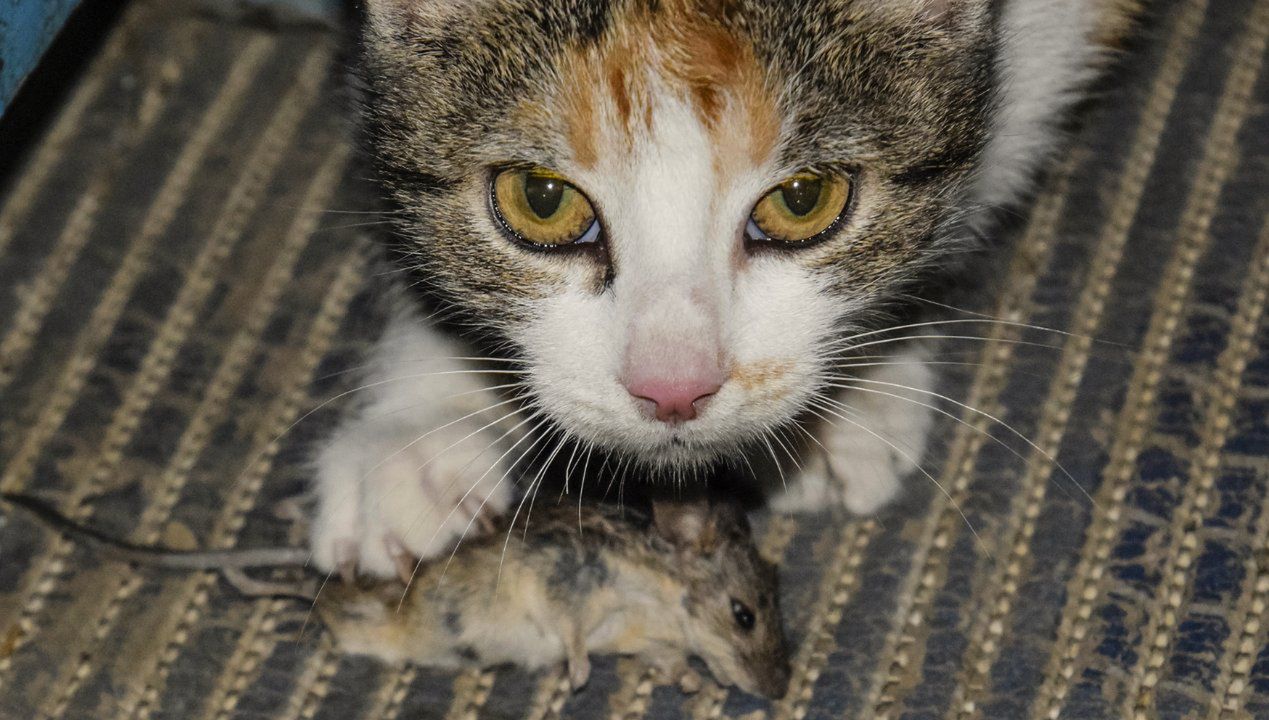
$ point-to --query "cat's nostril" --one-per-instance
(674, 401)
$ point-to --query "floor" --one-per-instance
(179, 287)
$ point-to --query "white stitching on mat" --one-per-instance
(985, 636)
(819, 640)
(36, 298)
(1085, 587)
(1205, 463)
(142, 698)
(943, 518)
(98, 329)
(212, 406)
(392, 694)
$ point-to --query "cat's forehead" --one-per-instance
(466, 83)
(651, 68)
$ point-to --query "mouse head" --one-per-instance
(731, 595)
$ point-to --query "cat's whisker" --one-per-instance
(350, 490)
(458, 474)
(308, 615)
(845, 351)
(810, 435)
(568, 468)
(537, 482)
(414, 406)
(969, 408)
(351, 226)
(459, 358)
(777, 434)
(784, 483)
(962, 321)
(581, 483)
(826, 404)
(838, 367)
(484, 502)
(419, 470)
(327, 402)
(529, 494)
(748, 464)
(379, 501)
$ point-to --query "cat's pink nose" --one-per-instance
(675, 400)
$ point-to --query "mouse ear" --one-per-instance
(689, 525)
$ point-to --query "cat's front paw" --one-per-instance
(875, 437)
(389, 493)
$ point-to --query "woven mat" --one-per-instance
(175, 295)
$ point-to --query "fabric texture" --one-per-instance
(180, 286)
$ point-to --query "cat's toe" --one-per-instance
(423, 489)
(865, 452)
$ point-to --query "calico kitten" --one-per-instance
(653, 230)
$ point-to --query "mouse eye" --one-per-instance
(742, 613)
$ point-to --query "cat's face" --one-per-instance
(674, 209)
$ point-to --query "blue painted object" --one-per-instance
(27, 27)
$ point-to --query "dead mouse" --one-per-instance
(688, 580)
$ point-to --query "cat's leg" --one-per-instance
(871, 443)
(420, 462)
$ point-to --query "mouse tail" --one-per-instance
(248, 586)
(160, 557)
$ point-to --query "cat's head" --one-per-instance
(674, 210)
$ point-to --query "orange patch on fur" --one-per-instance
(754, 375)
(685, 46)
(581, 125)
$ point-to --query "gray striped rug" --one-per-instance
(176, 292)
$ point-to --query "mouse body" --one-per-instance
(683, 579)
(686, 581)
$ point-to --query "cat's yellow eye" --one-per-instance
(800, 208)
(542, 208)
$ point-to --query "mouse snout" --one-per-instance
(773, 680)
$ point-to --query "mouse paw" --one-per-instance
(869, 448)
(690, 682)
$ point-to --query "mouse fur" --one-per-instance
(682, 579)
(686, 581)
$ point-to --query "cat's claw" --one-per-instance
(402, 558)
(346, 560)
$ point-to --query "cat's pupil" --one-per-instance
(802, 195)
(543, 194)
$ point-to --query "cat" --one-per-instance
(656, 231)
